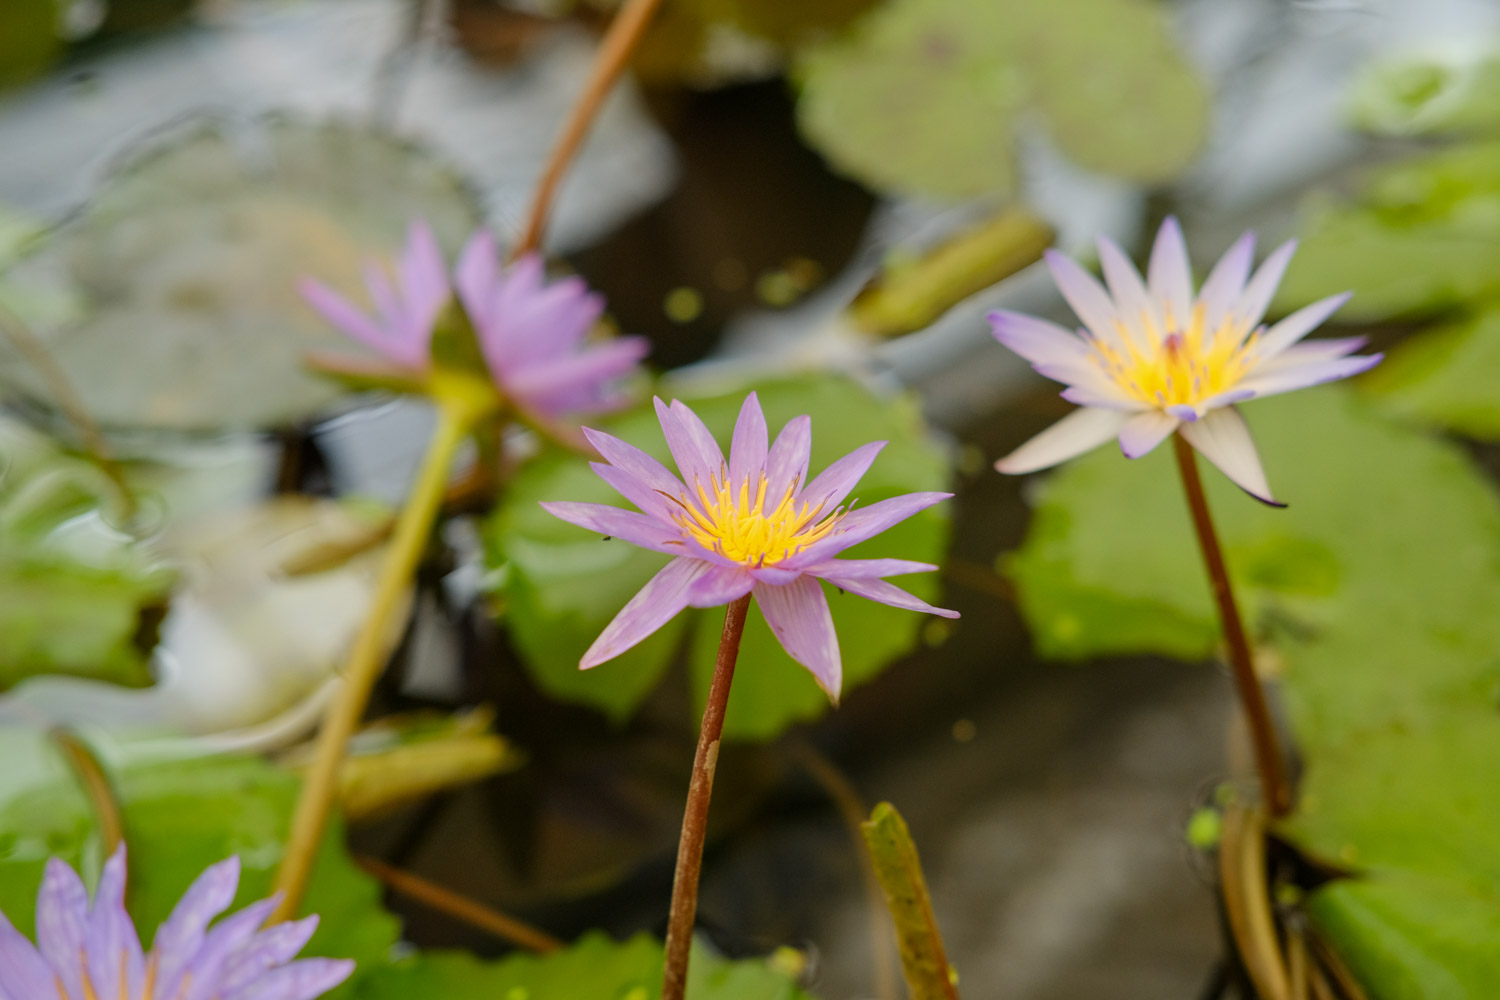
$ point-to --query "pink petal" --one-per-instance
(833, 484)
(1082, 430)
(653, 606)
(223, 940)
(1223, 439)
(888, 593)
(1298, 325)
(720, 585)
(858, 525)
(338, 311)
(181, 934)
(1257, 297)
(1287, 378)
(1089, 301)
(1145, 431)
(304, 980)
(865, 569)
(1107, 397)
(628, 458)
(693, 448)
(1170, 275)
(271, 947)
(613, 522)
(563, 383)
(1037, 340)
(798, 615)
(23, 972)
(476, 275)
(786, 463)
(1325, 349)
(748, 447)
(61, 923)
(1225, 284)
(423, 277)
(113, 950)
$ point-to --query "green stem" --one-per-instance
(1252, 698)
(695, 817)
(367, 656)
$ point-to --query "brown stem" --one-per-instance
(620, 40)
(695, 818)
(1252, 698)
(447, 901)
(96, 785)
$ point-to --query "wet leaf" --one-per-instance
(1377, 585)
(921, 96)
(593, 966)
(186, 264)
(563, 586)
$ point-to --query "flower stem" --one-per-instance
(695, 818)
(1262, 730)
(366, 657)
(624, 33)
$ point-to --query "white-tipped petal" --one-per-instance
(1322, 349)
(1257, 297)
(1088, 298)
(1289, 377)
(1132, 302)
(1169, 273)
(1036, 340)
(1144, 431)
(1298, 325)
(1223, 438)
(1225, 284)
(1082, 430)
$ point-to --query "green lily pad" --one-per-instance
(593, 966)
(1430, 94)
(1446, 377)
(562, 586)
(180, 817)
(921, 96)
(1422, 236)
(184, 269)
(1377, 585)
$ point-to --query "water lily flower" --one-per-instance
(532, 333)
(88, 952)
(1152, 359)
(750, 525)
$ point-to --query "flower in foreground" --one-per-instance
(752, 524)
(88, 952)
(532, 333)
(1152, 359)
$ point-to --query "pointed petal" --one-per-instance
(1089, 301)
(799, 617)
(222, 940)
(23, 971)
(693, 448)
(666, 507)
(61, 923)
(719, 585)
(858, 525)
(1223, 439)
(1102, 397)
(786, 463)
(181, 934)
(1323, 349)
(1145, 431)
(888, 593)
(1298, 325)
(475, 277)
(628, 458)
(274, 946)
(304, 980)
(865, 569)
(558, 384)
(833, 484)
(748, 447)
(1169, 273)
(613, 522)
(423, 277)
(1133, 303)
(112, 948)
(338, 311)
(1082, 430)
(653, 606)
(1037, 340)
(1257, 296)
(1225, 284)
(1290, 377)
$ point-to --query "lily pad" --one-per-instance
(593, 966)
(1377, 586)
(1430, 93)
(562, 586)
(921, 97)
(186, 262)
(1446, 377)
(1420, 237)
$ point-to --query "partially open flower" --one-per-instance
(88, 952)
(752, 524)
(1152, 359)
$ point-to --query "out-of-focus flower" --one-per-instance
(1152, 359)
(533, 335)
(752, 524)
(405, 312)
(88, 952)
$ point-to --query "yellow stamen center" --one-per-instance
(739, 524)
(1183, 367)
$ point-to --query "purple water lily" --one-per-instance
(532, 333)
(753, 524)
(1152, 359)
(88, 952)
